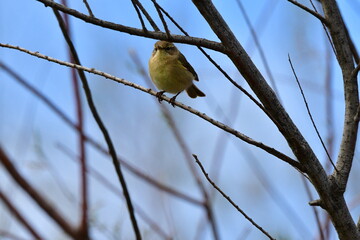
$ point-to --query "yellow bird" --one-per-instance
(171, 72)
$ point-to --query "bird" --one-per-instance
(171, 72)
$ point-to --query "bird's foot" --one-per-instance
(172, 100)
(158, 95)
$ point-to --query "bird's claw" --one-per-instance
(158, 95)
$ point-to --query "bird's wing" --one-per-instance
(187, 65)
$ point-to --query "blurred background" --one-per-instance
(45, 149)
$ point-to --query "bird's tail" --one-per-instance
(194, 92)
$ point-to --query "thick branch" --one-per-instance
(344, 55)
(135, 31)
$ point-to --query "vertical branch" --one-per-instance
(103, 129)
(80, 126)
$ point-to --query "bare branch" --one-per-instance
(230, 200)
(134, 31)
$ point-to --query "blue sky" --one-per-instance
(35, 136)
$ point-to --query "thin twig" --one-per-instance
(230, 200)
(103, 129)
(134, 170)
(314, 13)
(15, 212)
(162, 20)
(218, 124)
(36, 196)
(147, 15)
(88, 8)
(134, 3)
(309, 113)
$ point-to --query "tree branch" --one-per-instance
(134, 31)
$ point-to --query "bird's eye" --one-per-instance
(168, 48)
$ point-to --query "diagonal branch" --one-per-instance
(216, 123)
(266, 95)
(229, 199)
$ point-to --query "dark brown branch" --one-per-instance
(134, 31)
(103, 129)
(12, 209)
(134, 3)
(230, 200)
(88, 8)
(36, 196)
(163, 21)
(147, 15)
